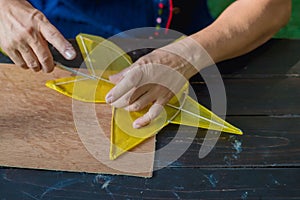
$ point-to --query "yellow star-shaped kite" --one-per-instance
(102, 59)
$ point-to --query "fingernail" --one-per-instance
(48, 69)
(139, 123)
(112, 76)
(136, 125)
(33, 64)
(115, 78)
(127, 108)
(109, 98)
(36, 68)
(131, 108)
(70, 54)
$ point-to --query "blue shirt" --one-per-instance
(109, 17)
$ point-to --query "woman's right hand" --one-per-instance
(25, 33)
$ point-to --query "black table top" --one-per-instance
(263, 100)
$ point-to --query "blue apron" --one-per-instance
(109, 17)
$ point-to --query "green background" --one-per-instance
(291, 30)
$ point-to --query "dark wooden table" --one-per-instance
(263, 92)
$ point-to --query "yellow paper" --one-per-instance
(203, 118)
(105, 60)
(182, 109)
(88, 90)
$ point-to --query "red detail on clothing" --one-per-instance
(161, 5)
(170, 16)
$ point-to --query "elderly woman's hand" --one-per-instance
(24, 32)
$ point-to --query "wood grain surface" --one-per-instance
(37, 129)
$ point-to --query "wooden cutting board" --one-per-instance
(37, 130)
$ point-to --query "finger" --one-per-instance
(53, 36)
(130, 80)
(165, 98)
(153, 112)
(155, 109)
(124, 100)
(131, 96)
(157, 93)
(143, 101)
(116, 78)
(16, 57)
(40, 47)
(29, 58)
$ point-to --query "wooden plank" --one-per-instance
(188, 183)
(275, 96)
(276, 58)
(38, 130)
(267, 142)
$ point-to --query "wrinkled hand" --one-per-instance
(24, 32)
(154, 78)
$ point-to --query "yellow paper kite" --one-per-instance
(92, 85)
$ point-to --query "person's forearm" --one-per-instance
(242, 27)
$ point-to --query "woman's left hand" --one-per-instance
(154, 78)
